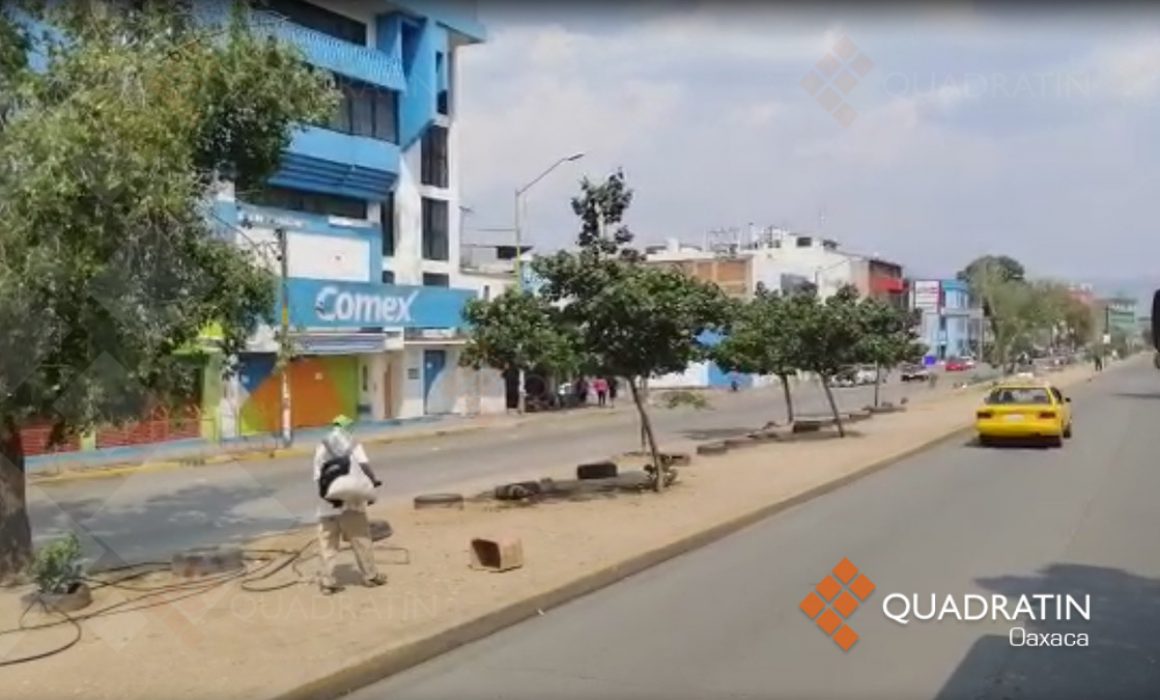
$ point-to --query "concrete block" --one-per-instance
(712, 448)
(497, 554)
(438, 500)
(597, 470)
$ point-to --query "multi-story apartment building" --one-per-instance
(951, 323)
(369, 206)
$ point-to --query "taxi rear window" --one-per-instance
(1018, 395)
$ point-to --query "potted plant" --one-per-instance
(59, 575)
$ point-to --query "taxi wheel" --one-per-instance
(1067, 431)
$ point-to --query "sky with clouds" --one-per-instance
(1034, 133)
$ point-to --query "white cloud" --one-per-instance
(1131, 70)
(705, 112)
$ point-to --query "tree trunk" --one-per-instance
(646, 425)
(788, 397)
(877, 382)
(15, 531)
(833, 406)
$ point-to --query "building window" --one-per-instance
(442, 105)
(804, 242)
(436, 279)
(387, 224)
(436, 229)
(365, 110)
(365, 378)
(388, 277)
(318, 19)
(309, 202)
(434, 165)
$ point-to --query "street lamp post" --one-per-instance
(519, 250)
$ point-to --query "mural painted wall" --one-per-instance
(321, 388)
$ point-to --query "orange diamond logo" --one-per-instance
(835, 598)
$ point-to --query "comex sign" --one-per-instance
(333, 304)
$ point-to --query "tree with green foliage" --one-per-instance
(762, 339)
(519, 330)
(601, 206)
(1004, 267)
(109, 265)
(888, 338)
(634, 321)
(829, 338)
(989, 278)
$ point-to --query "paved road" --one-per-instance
(723, 622)
(148, 516)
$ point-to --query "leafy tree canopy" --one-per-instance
(109, 265)
(518, 330)
(763, 337)
(107, 156)
(888, 335)
(830, 331)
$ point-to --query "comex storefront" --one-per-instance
(376, 351)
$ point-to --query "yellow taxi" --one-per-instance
(1024, 409)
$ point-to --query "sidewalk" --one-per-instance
(187, 453)
(225, 642)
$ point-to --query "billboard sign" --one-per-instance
(927, 295)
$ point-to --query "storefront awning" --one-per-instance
(340, 344)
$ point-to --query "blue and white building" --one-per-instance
(369, 203)
(950, 320)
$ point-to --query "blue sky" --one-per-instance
(1034, 133)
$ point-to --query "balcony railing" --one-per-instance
(322, 50)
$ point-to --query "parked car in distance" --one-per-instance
(848, 377)
(914, 373)
(865, 374)
(957, 364)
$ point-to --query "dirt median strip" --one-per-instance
(236, 645)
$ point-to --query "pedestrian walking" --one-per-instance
(581, 392)
(613, 385)
(346, 485)
(600, 386)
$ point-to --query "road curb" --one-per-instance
(388, 663)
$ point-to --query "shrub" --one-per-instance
(57, 567)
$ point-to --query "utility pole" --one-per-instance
(285, 347)
(519, 251)
(521, 389)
